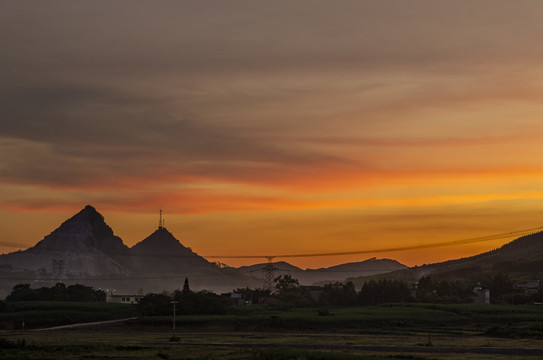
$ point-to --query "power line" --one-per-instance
(434, 245)
(355, 252)
(165, 277)
(64, 279)
(403, 248)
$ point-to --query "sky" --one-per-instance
(274, 127)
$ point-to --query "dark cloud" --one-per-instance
(75, 134)
(132, 90)
(191, 38)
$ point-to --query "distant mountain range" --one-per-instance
(84, 249)
(336, 273)
(521, 259)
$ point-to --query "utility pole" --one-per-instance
(174, 302)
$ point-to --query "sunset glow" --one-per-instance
(275, 127)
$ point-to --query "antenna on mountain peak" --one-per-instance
(160, 221)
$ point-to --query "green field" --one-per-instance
(40, 314)
(403, 331)
(510, 321)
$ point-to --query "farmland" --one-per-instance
(408, 331)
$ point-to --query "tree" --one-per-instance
(22, 292)
(500, 285)
(155, 305)
(383, 291)
(202, 302)
(58, 292)
(253, 295)
(339, 294)
(186, 287)
(286, 287)
(425, 287)
(80, 292)
(289, 291)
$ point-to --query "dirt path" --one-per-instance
(80, 325)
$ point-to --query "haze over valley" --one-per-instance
(84, 249)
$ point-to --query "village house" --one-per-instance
(124, 299)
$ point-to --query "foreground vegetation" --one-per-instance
(508, 321)
(469, 319)
(153, 351)
(212, 339)
(43, 314)
(341, 324)
(401, 331)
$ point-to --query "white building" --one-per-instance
(124, 299)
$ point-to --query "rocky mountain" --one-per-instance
(336, 273)
(161, 252)
(521, 259)
(161, 262)
(367, 267)
(84, 249)
(83, 245)
(280, 265)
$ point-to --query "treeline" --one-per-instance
(288, 293)
(58, 292)
(187, 303)
(502, 289)
(382, 291)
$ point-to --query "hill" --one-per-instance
(83, 245)
(337, 273)
(85, 250)
(161, 262)
(161, 252)
(521, 259)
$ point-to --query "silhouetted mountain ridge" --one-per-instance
(521, 258)
(83, 245)
(161, 252)
(85, 248)
(337, 273)
(83, 231)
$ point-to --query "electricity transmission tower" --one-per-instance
(268, 273)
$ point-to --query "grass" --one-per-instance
(124, 343)
(496, 320)
(170, 352)
(142, 345)
(39, 314)
(381, 319)
(258, 334)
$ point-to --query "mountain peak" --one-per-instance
(161, 241)
(82, 245)
(86, 229)
(161, 252)
(88, 214)
(89, 208)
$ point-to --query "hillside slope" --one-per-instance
(337, 273)
(83, 245)
(521, 259)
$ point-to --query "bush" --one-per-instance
(59, 292)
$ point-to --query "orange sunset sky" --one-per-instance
(274, 127)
